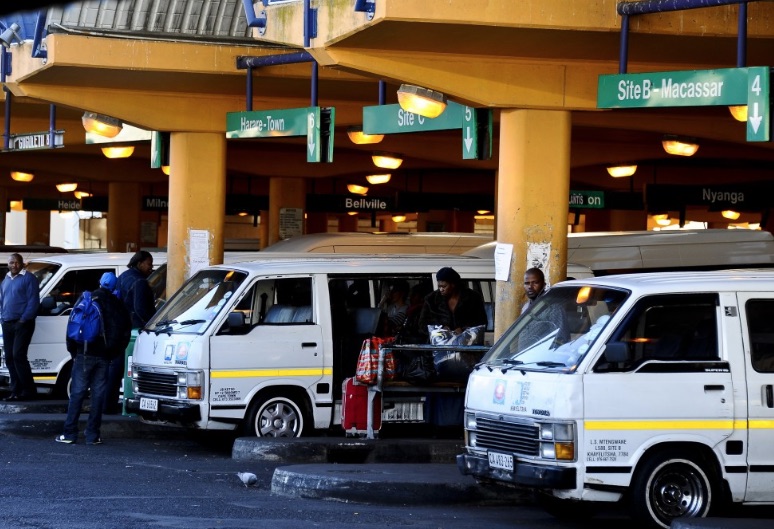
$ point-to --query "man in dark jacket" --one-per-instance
(138, 298)
(90, 363)
(453, 306)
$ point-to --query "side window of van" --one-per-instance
(485, 287)
(675, 327)
(278, 301)
(760, 325)
(73, 284)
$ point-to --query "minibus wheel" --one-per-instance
(62, 386)
(275, 416)
(671, 484)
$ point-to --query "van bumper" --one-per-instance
(525, 474)
(168, 411)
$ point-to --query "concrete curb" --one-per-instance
(346, 450)
(398, 484)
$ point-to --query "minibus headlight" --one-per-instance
(470, 421)
(558, 441)
(547, 431)
(472, 438)
(547, 451)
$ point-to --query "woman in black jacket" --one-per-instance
(453, 306)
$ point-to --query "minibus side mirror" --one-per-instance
(617, 353)
(236, 320)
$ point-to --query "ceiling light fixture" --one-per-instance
(397, 219)
(66, 188)
(679, 146)
(385, 160)
(82, 194)
(621, 171)
(376, 179)
(357, 189)
(165, 169)
(352, 213)
(660, 216)
(664, 222)
(21, 176)
(113, 153)
(730, 214)
(358, 137)
(101, 124)
(16, 205)
(421, 101)
(739, 112)
(482, 211)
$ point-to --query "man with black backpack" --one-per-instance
(98, 330)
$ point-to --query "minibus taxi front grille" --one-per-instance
(163, 384)
(518, 438)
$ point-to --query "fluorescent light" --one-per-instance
(421, 101)
(66, 188)
(124, 151)
(21, 176)
(357, 189)
(101, 124)
(81, 194)
(358, 137)
(376, 179)
(730, 214)
(386, 160)
(679, 146)
(620, 171)
(739, 112)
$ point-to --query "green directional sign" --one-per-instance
(315, 123)
(758, 109)
(587, 199)
(726, 86)
(32, 141)
(392, 119)
(476, 133)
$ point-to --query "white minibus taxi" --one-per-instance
(382, 242)
(666, 250)
(62, 279)
(266, 345)
(654, 389)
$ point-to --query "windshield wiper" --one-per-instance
(185, 323)
(165, 323)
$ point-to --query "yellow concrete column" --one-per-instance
(197, 202)
(39, 227)
(533, 189)
(123, 218)
(284, 193)
(263, 229)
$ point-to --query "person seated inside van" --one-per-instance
(394, 305)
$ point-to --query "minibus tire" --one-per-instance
(62, 386)
(671, 484)
(275, 416)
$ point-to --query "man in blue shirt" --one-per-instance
(19, 301)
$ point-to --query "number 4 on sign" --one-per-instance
(758, 104)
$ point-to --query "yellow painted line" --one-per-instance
(272, 373)
(725, 424)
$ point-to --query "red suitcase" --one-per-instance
(354, 408)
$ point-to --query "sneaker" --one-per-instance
(97, 441)
(63, 439)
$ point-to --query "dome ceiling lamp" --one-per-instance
(21, 176)
(621, 171)
(101, 124)
(679, 146)
(358, 137)
(421, 101)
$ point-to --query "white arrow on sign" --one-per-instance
(310, 133)
(755, 119)
(468, 139)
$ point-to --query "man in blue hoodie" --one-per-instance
(19, 302)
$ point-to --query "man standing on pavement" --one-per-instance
(19, 302)
(91, 361)
(534, 285)
(138, 298)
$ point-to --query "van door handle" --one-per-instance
(718, 387)
(308, 344)
(769, 396)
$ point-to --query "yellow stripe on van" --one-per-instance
(761, 424)
(724, 424)
(45, 379)
(266, 373)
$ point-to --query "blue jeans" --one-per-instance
(88, 372)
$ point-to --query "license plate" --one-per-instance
(149, 404)
(502, 461)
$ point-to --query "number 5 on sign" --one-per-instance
(758, 104)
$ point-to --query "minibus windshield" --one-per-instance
(557, 330)
(198, 302)
(43, 271)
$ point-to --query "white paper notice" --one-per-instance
(537, 257)
(502, 258)
(198, 250)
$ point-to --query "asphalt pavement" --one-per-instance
(388, 470)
